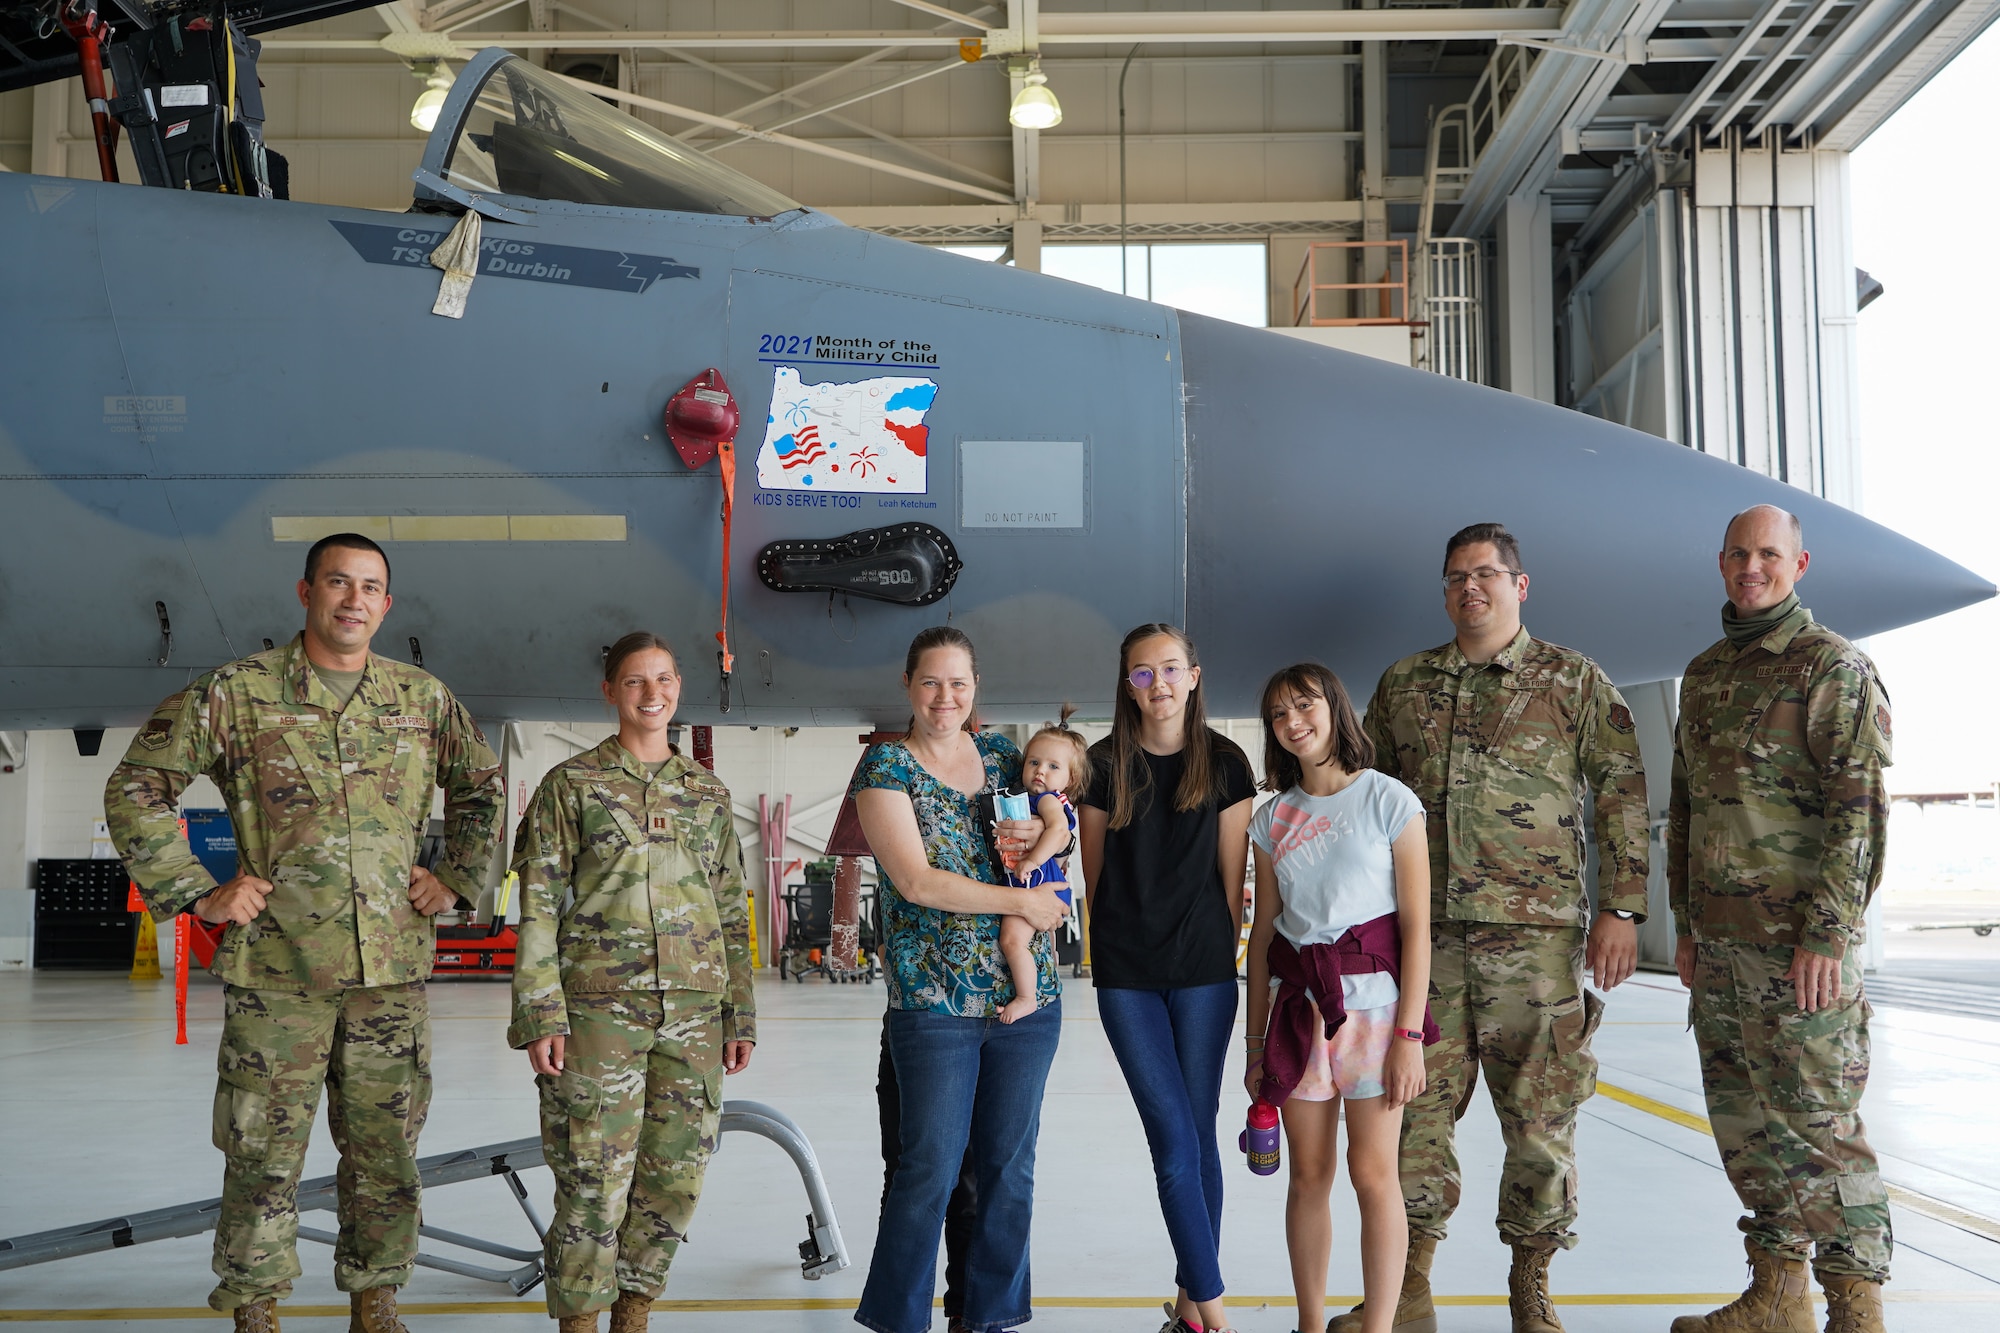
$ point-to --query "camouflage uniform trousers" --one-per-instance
(629, 1126)
(1784, 1091)
(371, 1047)
(1510, 1002)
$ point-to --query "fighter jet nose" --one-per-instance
(1322, 486)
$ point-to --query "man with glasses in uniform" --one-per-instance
(1513, 745)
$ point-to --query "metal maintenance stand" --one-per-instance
(821, 1252)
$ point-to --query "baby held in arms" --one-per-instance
(1055, 768)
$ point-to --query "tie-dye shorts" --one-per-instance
(1350, 1063)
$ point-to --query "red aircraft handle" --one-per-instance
(701, 421)
(80, 20)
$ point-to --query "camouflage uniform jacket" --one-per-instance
(629, 881)
(1778, 815)
(329, 804)
(1501, 755)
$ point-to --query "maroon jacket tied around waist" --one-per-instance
(1314, 973)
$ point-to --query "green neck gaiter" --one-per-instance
(1748, 629)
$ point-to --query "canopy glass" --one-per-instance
(528, 133)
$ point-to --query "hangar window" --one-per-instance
(527, 133)
(1228, 280)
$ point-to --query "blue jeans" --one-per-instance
(1171, 1044)
(966, 1083)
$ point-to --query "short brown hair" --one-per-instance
(1352, 749)
(638, 641)
(1503, 542)
(1079, 761)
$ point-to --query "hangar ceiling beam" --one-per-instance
(1860, 65)
(1559, 91)
(1738, 52)
(1297, 25)
(1023, 35)
(792, 94)
(803, 145)
(1098, 29)
(722, 71)
(1754, 81)
(443, 18)
(401, 15)
(1911, 70)
(812, 112)
(1846, 42)
(951, 15)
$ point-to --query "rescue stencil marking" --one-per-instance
(530, 261)
(864, 435)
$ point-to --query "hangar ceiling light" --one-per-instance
(437, 82)
(1035, 107)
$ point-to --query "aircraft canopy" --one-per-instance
(525, 132)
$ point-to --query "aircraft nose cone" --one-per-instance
(1323, 485)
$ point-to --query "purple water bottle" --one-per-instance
(1259, 1139)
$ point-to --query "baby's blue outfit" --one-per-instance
(1049, 871)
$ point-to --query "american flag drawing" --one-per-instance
(806, 448)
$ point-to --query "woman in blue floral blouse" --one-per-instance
(942, 895)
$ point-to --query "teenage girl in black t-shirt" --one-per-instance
(1165, 838)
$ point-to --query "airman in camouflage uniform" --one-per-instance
(635, 948)
(1774, 848)
(1512, 744)
(325, 965)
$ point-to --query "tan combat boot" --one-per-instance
(1414, 1311)
(373, 1311)
(1528, 1292)
(577, 1323)
(1779, 1300)
(1853, 1305)
(629, 1312)
(256, 1317)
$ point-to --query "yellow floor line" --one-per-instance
(1685, 1119)
(1936, 1209)
(801, 1304)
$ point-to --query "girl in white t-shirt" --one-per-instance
(1342, 863)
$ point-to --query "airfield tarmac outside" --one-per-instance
(130, 1131)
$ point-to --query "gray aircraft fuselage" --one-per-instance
(193, 385)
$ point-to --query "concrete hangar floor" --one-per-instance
(100, 1115)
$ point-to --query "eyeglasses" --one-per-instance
(1142, 677)
(1484, 574)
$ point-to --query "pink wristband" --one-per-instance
(1411, 1033)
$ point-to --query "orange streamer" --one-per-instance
(726, 454)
